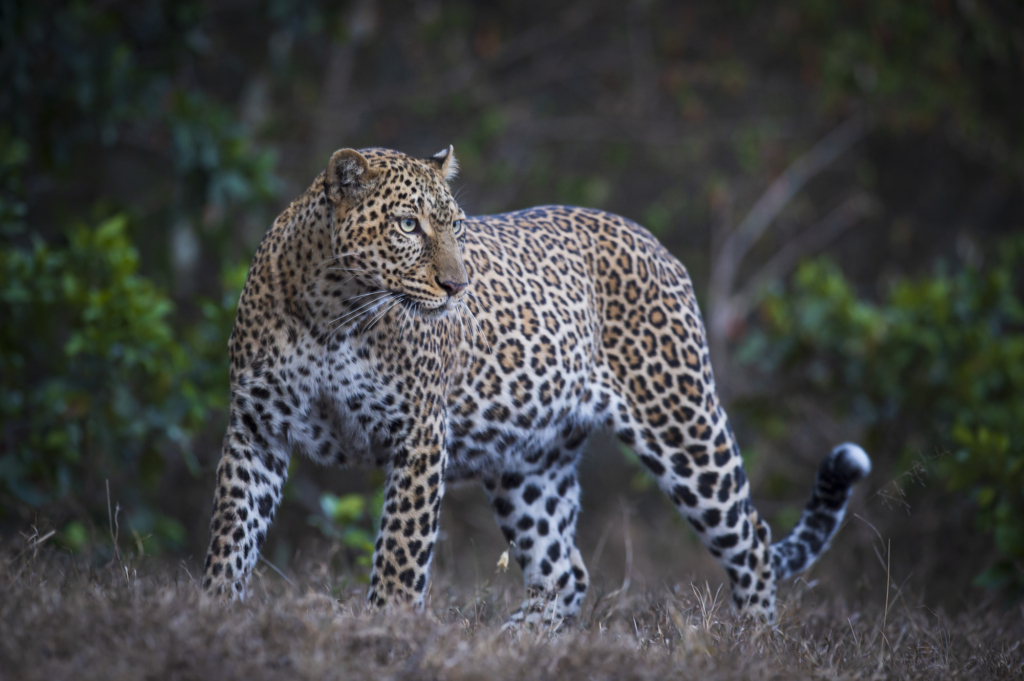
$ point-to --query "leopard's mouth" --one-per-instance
(428, 309)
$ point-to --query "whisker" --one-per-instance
(465, 327)
(367, 310)
(476, 322)
(349, 279)
(382, 314)
(339, 256)
(466, 333)
(470, 294)
(462, 327)
(363, 310)
(473, 327)
(477, 331)
(373, 305)
(362, 295)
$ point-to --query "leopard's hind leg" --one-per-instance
(668, 411)
(695, 461)
(536, 503)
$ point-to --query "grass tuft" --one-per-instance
(136, 618)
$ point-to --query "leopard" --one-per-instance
(380, 326)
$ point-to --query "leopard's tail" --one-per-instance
(833, 485)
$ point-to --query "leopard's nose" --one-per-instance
(451, 287)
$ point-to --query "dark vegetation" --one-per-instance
(843, 181)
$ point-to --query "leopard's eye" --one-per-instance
(457, 226)
(409, 225)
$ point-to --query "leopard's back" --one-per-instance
(555, 291)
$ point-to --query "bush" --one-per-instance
(96, 382)
(351, 522)
(101, 377)
(937, 365)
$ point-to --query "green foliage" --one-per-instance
(13, 154)
(351, 521)
(641, 480)
(102, 375)
(96, 382)
(938, 364)
(213, 157)
(87, 84)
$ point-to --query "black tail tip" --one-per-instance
(847, 464)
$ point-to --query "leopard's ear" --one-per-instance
(445, 162)
(348, 175)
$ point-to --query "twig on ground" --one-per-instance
(885, 612)
(34, 541)
(628, 539)
(115, 528)
(599, 549)
(278, 571)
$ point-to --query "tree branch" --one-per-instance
(771, 203)
(811, 240)
(759, 219)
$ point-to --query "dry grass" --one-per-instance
(61, 619)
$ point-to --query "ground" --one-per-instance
(62, 618)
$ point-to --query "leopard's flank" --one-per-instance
(380, 326)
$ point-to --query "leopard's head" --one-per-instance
(397, 226)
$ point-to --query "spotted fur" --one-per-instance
(379, 326)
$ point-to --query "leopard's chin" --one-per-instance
(436, 312)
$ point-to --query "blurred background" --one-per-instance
(843, 180)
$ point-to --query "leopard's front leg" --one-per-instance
(408, 524)
(251, 474)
